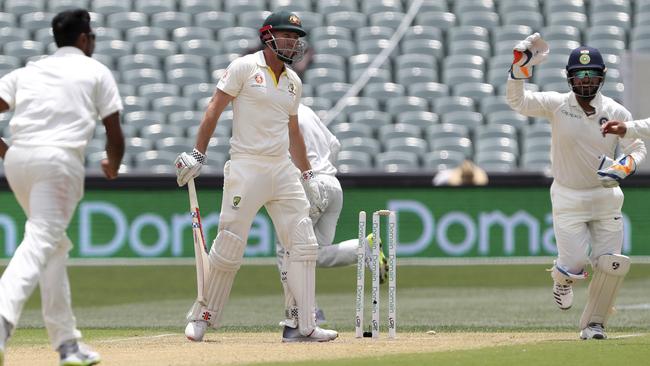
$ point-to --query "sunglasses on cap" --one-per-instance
(581, 74)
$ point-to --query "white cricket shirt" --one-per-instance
(638, 129)
(57, 99)
(321, 144)
(261, 107)
(576, 141)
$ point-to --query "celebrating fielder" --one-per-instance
(56, 101)
(265, 94)
(585, 195)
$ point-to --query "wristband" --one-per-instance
(307, 174)
(199, 156)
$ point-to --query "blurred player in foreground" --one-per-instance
(322, 149)
(56, 101)
(265, 94)
(585, 196)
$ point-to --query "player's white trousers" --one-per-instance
(587, 223)
(48, 185)
(251, 182)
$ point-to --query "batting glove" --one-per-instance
(528, 53)
(316, 194)
(611, 173)
(188, 166)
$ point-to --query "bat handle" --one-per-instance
(192, 191)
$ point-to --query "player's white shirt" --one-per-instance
(57, 99)
(321, 144)
(261, 107)
(638, 129)
(576, 141)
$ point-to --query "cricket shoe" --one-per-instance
(75, 353)
(195, 330)
(593, 331)
(383, 263)
(317, 335)
(563, 295)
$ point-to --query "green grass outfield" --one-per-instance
(131, 301)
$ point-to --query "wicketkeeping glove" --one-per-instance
(528, 53)
(188, 166)
(611, 173)
(316, 194)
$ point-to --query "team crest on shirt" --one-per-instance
(236, 200)
(292, 89)
(258, 81)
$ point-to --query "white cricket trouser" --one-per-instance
(587, 223)
(251, 182)
(48, 185)
(342, 254)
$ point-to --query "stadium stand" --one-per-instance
(436, 100)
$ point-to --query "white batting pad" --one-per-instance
(301, 274)
(608, 276)
(290, 308)
(225, 259)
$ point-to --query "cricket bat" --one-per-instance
(200, 249)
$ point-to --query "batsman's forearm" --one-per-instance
(298, 152)
(209, 122)
(206, 129)
(3, 148)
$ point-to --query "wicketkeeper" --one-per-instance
(585, 196)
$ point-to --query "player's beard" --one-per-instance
(587, 90)
(290, 52)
